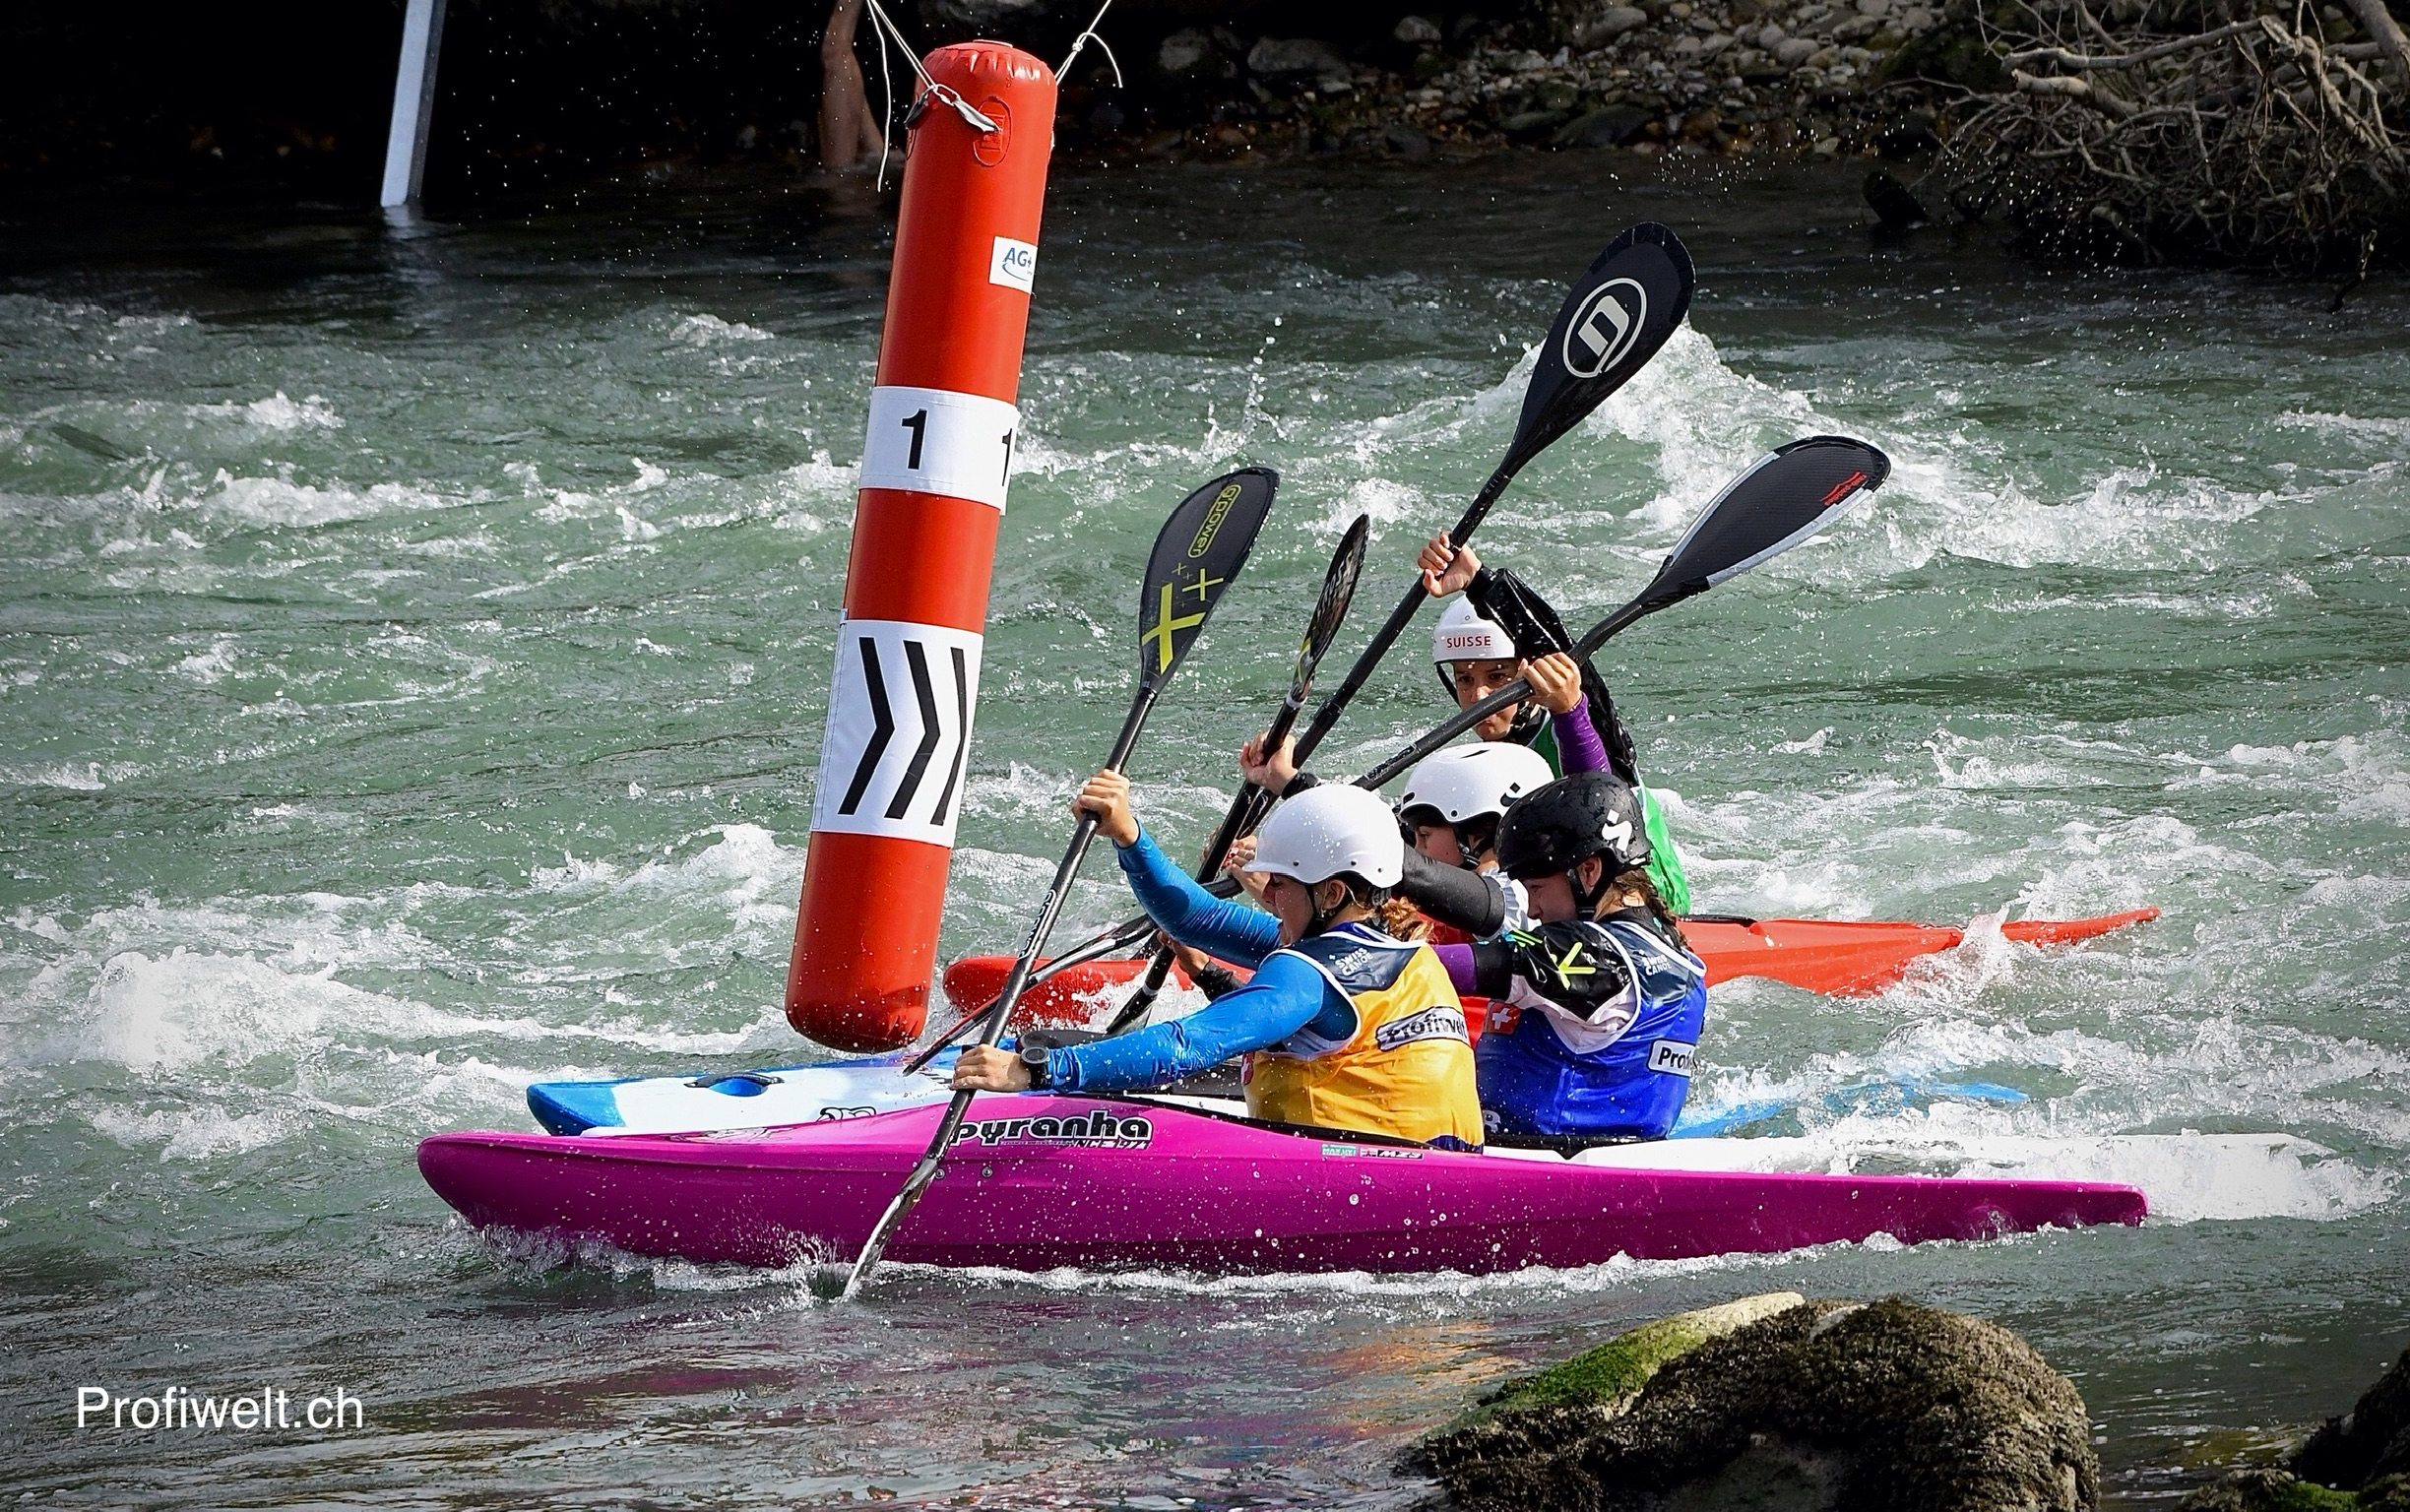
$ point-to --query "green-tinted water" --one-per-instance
(412, 655)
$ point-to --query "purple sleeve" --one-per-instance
(1578, 746)
(1458, 959)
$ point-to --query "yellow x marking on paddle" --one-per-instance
(1167, 626)
(1566, 967)
(1201, 583)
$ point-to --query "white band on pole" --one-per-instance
(896, 755)
(406, 138)
(937, 441)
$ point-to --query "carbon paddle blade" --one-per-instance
(1618, 314)
(1199, 552)
(1330, 609)
(1330, 612)
(1785, 497)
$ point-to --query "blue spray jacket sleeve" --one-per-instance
(1285, 995)
(1219, 927)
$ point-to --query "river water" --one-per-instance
(413, 646)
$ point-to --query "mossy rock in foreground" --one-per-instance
(1820, 1405)
(1605, 1380)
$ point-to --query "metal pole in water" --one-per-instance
(414, 102)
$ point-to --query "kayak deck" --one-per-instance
(1040, 1181)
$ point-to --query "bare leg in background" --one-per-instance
(848, 130)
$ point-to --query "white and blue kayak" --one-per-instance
(778, 1096)
(713, 1101)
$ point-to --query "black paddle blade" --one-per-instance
(1201, 550)
(1786, 496)
(1337, 591)
(1616, 316)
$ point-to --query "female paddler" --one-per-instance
(1596, 1010)
(1476, 657)
(1343, 1024)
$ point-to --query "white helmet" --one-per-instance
(1464, 636)
(1467, 781)
(1327, 830)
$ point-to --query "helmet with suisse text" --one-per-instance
(1463, 635)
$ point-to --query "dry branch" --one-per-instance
(2229, 136)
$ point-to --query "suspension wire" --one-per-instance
(1091, 35)
(885, 26)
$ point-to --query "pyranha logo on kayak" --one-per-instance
(1102, 1130)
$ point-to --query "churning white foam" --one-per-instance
(279, 501)
(275, 413)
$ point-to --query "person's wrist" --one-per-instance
(1037, 1068)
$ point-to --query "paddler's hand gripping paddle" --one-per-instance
(1616, 317)
(1199, 552)
(1786, 497)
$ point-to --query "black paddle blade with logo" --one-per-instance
(1786, 496)
(1337, 591)
(1201, 550)
(1616, 316)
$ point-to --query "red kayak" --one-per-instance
(1846, 959)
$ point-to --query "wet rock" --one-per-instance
(1191, 55)
(1894, 205)
(1524, 125)
(2266, 1490)
(1415, 32)
(1606, 126)
(1882, 1406)
(1606, 26)
(1911, 136)
(1304, 61)
(1793, 51)
(985, 15)
(1406, 142)
(2370, 1441)
(1607, 1379)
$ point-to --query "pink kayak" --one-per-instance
(1038, 1182)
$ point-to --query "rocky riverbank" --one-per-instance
(1812, 77)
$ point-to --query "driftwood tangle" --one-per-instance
(2264, 133)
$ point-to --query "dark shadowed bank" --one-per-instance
(2251, 132)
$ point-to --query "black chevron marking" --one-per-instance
(962, 734)
(909, 787)
(885, 720)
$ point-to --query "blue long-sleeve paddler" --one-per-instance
(1287, 993)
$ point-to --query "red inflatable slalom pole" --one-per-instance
(933, 475)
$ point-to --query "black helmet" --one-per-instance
(1553, 828)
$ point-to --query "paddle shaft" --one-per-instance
(1398, 618)
(993, 1027)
